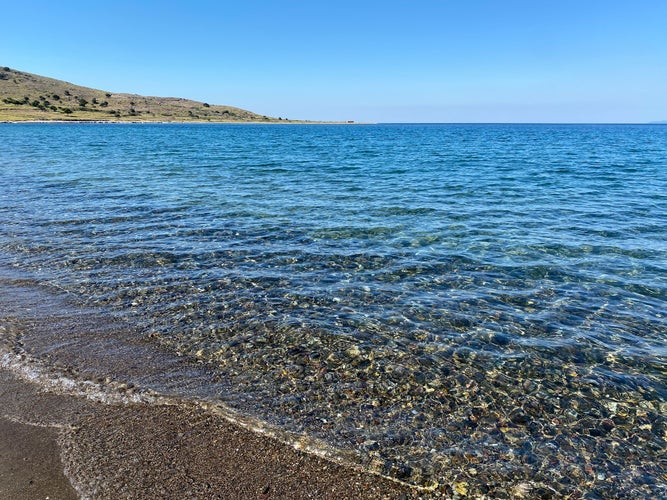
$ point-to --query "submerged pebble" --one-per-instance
(449, 305)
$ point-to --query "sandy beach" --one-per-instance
(64, 447)
(57, 442)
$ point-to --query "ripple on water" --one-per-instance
(480, 307)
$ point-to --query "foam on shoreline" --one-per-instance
(103, 430)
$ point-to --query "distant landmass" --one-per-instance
(29, 97)
(663, 122)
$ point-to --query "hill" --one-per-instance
(27, 97)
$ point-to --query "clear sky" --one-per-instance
(364, 60)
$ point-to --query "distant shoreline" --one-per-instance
(308, 122)
(26, 97)
(128, 122)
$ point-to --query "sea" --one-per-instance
(469, 305)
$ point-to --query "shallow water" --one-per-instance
(470, 305)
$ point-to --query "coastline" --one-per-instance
(132, 266)
(118, 443)
(66, 446)
(181, 122)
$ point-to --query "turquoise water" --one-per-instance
(478, 304)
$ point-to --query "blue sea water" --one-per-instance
(461, 304)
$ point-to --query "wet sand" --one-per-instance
(62, 447)
(30, 466)
(57, 444)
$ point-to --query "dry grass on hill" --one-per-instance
(28, 97)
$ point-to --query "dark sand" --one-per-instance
(30, 465)
(62, 447)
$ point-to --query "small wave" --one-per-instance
(111, 392)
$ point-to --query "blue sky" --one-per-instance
(385, 61)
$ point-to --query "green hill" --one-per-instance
(28, 97)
